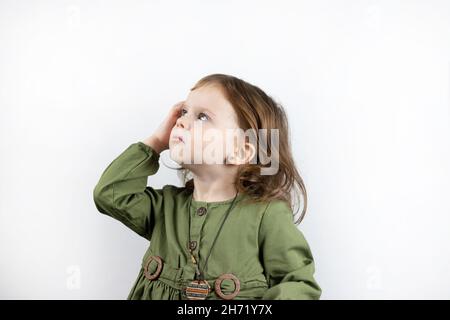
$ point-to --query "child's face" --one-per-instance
(205, 124)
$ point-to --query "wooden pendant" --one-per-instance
(197, 290)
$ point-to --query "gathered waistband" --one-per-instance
(178, 278)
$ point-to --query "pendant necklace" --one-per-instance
(199, 288)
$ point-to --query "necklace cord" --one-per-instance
(202, 270)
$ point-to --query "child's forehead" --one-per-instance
(209, 99)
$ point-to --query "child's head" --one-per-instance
(230, 126)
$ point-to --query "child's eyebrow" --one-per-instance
(184, 104)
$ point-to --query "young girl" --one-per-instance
(229, 233)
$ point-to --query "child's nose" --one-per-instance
(183, 122)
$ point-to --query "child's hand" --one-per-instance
(159, 140)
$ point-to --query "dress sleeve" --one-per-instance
(122, 191)
(286, 256)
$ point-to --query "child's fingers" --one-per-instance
(177, 108)
(178, 105)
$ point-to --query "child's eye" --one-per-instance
(202, 116)
(183, 112)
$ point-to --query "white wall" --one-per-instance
(366, 86)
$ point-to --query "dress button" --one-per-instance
(192, 245)
(201, 211)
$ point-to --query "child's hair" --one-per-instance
(256, 110)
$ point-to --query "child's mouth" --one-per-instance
(178, 139)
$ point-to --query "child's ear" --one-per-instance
(243, 155)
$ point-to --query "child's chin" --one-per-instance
(178, 157)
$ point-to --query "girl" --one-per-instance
(228, 233)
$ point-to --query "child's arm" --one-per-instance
(287, 259)
(122, 191)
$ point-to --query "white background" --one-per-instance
(365, 84)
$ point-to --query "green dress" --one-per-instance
(259, 243)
